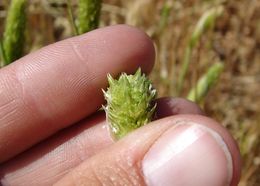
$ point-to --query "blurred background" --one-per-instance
(232, 40)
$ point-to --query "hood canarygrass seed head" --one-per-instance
(129, 103)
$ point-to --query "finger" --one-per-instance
(179, 150)
(60, 84)
(49, 161)
(168, 106)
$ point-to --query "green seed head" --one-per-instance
(129, 103)
(88, 15)
(14, 34)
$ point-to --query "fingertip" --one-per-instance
(120, 41)
(191, 146)
(168, 106)
(144, 46)
(222, 136)
(177, 150)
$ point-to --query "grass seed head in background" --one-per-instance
(14, 33)
(205, 83)
(129, 103)
(206, 21)
(88, 15)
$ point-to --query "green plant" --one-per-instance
(206, 21)
(129, 103)
(164, 17)
(12, 45)
(199, 92)
(71, 18)
(88, 15)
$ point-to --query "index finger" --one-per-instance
(61, 84)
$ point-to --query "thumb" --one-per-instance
(179, 150)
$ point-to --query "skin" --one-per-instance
(50, 129)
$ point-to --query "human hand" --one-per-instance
(51, 132)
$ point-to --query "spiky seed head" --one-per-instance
(129, 103)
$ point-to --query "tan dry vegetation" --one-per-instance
(234, 40)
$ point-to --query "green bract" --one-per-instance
(129, 103)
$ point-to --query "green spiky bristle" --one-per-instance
(129, 103)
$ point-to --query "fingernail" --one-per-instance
(188, 154)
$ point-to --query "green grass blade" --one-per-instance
(14, 33)
(205, 83)
(88, 15)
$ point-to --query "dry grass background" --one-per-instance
(234, 40)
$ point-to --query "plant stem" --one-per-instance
(165, 14)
